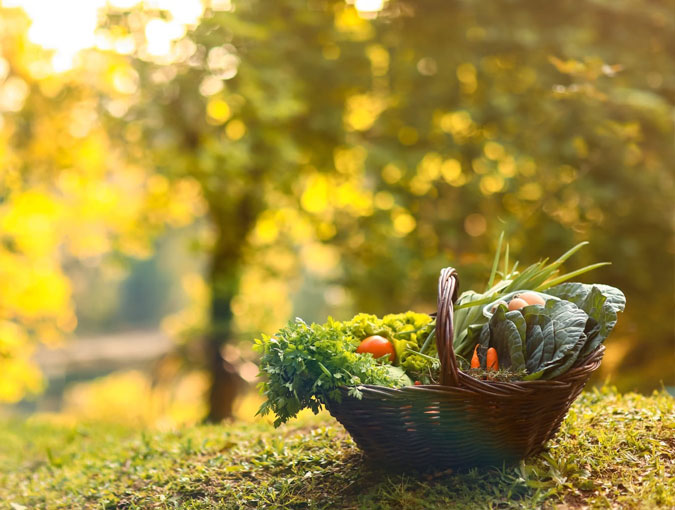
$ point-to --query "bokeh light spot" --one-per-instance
(235, 129)
(451, 169)
(404, 223)
(490, 184)
(384, 200)
(475, 224)
(218, 111)
(391, 173)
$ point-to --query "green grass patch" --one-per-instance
(613, 451)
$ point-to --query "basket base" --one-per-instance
(398, 457)
(477, 424)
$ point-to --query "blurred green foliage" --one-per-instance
(360, 154)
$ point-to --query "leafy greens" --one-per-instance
(305, 365)
(546, 341)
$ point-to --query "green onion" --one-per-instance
(496, 260)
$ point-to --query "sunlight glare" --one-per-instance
(185, 12)
(65, 27)
(366, 6)
(69, 26)
(160, 34)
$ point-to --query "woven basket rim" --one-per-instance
(455, 380)
(470, 383)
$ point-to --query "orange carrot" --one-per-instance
(475, 362)
(492, 361)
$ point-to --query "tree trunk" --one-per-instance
(225, 380)
(226, 384)
(233, 225)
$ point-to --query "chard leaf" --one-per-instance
(566, 360)
(540, 317)
(577, 293)
(555, 337)
(484, 345)
(565, 332)
(505, 337)
(600, 302)
(601, 320)
(535, 348)
(540, 341)
(519, 321)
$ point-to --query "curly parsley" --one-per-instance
(305, 365)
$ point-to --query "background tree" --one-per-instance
(342, 161)
(410, 140)
(66, 194)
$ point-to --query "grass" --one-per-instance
(613, 451)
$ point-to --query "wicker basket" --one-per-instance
(463, 421)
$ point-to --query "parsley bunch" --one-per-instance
(306, 365)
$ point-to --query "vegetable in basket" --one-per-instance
(546, 341)
(537, 278)
(532, 324)
(378, 346)
(306, 364)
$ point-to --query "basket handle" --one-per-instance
(448, 287)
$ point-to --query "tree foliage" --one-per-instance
(66, 194)
(360, 155)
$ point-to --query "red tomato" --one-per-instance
(378, 346)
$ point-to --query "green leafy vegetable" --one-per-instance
(538, 277)
(546, 341)
(308, 366)
(600, 302)
(538, 351)
(507, 336)
(565, 332)
(305, 366)
(408, 332)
